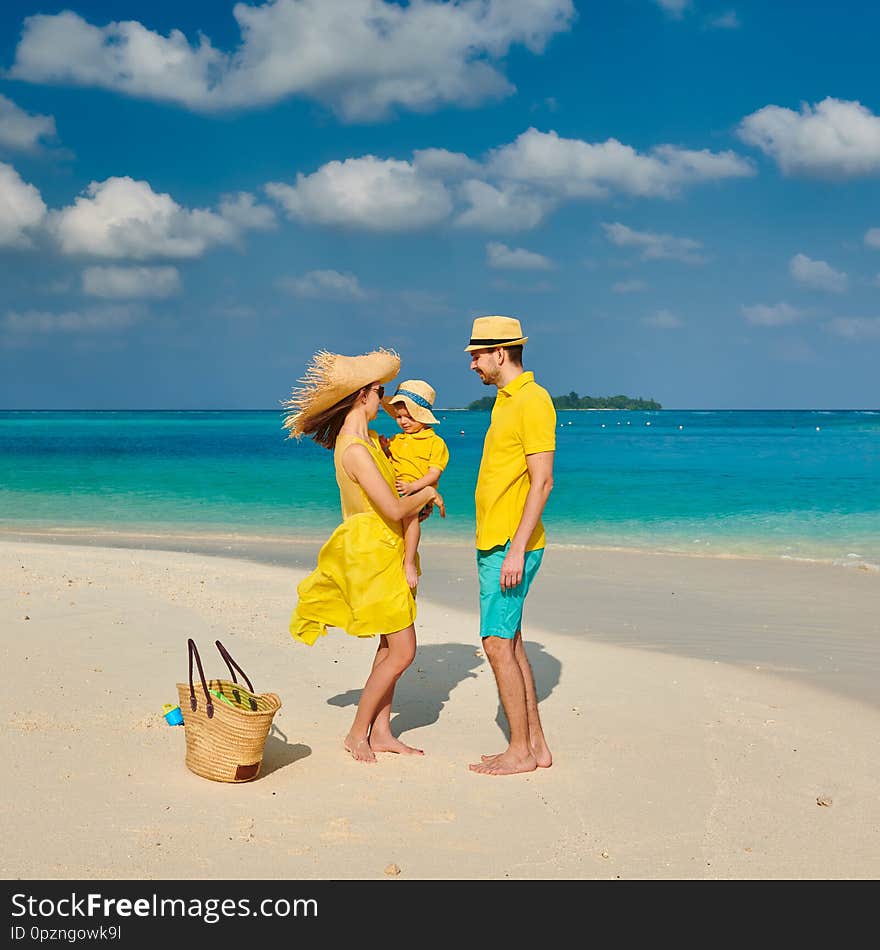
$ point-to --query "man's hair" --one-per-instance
(514, 354)
(324, 426)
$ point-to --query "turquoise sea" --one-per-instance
(797, 484)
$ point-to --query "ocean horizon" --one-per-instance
(713, 482)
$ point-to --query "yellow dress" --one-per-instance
(359, 584)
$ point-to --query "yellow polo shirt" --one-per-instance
(523, 423)
(413, 453)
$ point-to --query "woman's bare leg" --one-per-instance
(371, 730)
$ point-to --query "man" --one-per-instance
(514, 483)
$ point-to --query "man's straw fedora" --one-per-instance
(489, 332)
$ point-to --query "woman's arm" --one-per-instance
(359, 465)
(431, 477)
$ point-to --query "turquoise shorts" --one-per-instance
(501, 610)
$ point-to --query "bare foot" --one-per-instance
(359, 749)
(540, 750)
(391, 744)
(506, 763)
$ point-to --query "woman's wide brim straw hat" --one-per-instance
(329, 378)
(489, 332)
(418, 397)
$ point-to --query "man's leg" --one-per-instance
(518, 757)
(502, 611)
(537, 740)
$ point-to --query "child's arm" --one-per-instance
(430, 478)
(412, 532)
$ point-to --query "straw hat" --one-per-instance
(418, 397)
(331, 377)
(495, 331)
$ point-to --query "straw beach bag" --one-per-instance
(226, 725)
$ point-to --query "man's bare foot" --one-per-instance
(505, 763)
(359, 749)
(540, 750)
(393, 745)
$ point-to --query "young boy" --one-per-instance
(418, 456)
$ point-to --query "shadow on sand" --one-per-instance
(278, 752)
(426, 687)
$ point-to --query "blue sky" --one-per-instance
(679, 200)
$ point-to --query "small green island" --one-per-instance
(574, 401)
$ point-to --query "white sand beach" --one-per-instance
(709, 719)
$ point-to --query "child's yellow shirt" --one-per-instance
(413, 453)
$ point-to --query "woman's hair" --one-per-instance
(324, 426)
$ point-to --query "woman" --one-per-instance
(359, 584)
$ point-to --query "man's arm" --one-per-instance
(540, 466)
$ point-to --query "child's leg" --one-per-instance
(412, 533)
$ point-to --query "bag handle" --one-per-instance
(209, 708)
(231, 663)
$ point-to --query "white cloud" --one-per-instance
(515, 258)
(21, 208)
(628, 286)
(674, 8)
(20, 130)
(444, 164)
(539, 287)
(655, 246)
(131, 282)
(324, 285)
(725, 21)
(793, 351)
(360, 57)
(817, 274)
(123, 218)
(70, 321)
(834, 139)
(513, 190)
(872, 237)
(368, 193)
(517, 186)
(242, 211)
(663, 320)
(855, 328)
(771, 315)
(506, 208)
(578, 169)
(422, 301)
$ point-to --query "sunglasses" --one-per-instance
(379, 391)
